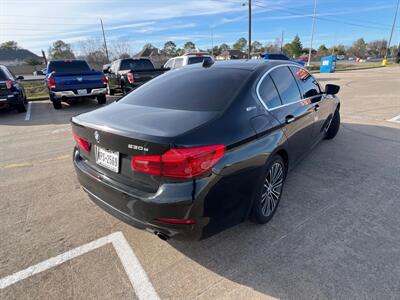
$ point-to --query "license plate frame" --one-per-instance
(107, 159)
(82, 92)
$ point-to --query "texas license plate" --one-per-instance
(82, 92)
(107, 158)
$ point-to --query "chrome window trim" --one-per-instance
(267, 73)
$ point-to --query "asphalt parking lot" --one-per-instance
(334, 236)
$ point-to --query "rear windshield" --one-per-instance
(3, 76)
(73, 66)
(278, 56)
(193, 89)
(136, 64)
(195, 59)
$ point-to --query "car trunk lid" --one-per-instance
(134, 131)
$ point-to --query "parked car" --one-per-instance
(12, 93)
(127, 74)
(73, 79)
(40, 72)
(205, 147)
(282, 56)
(187, 59)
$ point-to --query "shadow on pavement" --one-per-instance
(335, 234)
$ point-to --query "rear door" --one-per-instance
(312, 93)
(281, 96)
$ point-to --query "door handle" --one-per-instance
(289, 119)
(316, 107)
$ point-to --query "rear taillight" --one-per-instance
(180, 163)
(130, 77)
(51, 83)
(104, 79)
(9, 84)
(83, 144)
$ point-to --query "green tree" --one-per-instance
(10, 45)
(296, 46)
(61, 50)
(322, 48)
(240, 44)
(170, 48)
(256, 46)
(339, 49)
(223, 47)
(359, 48)
(189, 46)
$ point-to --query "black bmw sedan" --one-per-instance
(205, 147)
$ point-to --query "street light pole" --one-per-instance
(249, 3)
(312, 32)
(391, 33)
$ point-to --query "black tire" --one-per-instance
(123, 90)
(334, 126)
(57, 104)
(109, 90)
(21, 107)
(268, 196)
(102, 99)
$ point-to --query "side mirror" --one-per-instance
(332, 89)
(106, 70)
(39, 73)
(20, 77)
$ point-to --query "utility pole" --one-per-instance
(104, 37)
(249, 4)
(212, 43)
(312, 32)
(391, 33)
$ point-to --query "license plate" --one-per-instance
(82, 92)
(107, 158)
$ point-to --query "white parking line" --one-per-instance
(28, 112)
(137, 276)
(395, 119)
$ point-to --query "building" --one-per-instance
(16, 57)
(232, 54)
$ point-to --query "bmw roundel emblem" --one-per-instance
(97, 136)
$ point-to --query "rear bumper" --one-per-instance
(139, 209)
(10, 99)
(74, 93)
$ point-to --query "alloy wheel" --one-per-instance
(272, 189)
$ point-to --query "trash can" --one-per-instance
(328, 64)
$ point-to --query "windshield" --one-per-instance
(190, 89)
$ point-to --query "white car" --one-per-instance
(187, 59)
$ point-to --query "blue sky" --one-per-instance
(35, 24)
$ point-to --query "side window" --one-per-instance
(308, 85)
(286, 85)
(178, 63)
(268, 93)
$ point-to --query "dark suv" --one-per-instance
(12, 93)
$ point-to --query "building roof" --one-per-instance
(19, 54)
(148, 52)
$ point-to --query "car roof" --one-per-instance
(248, 64)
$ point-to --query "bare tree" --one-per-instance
(120, 49)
